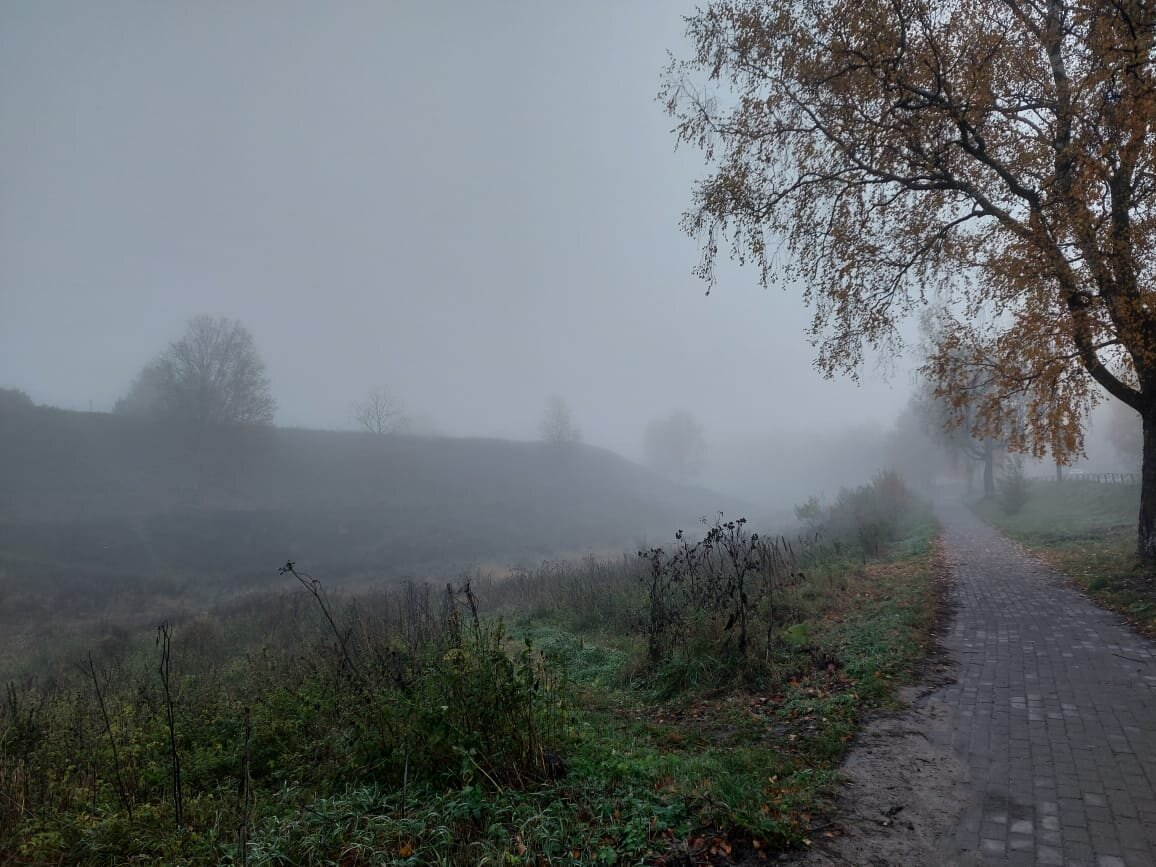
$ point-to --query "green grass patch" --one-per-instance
(1087, 531)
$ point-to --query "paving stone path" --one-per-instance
(1053, 714)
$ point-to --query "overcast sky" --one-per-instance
(476, 203)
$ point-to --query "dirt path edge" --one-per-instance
(902, 795)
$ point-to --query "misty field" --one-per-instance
(109, 521)
(687, 705)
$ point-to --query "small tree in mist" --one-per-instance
(959, 443)
(675, 445)
(212, 375)
(957, 426)
(914, 447)
(1013, 488)
(14, 400)
(379, 413)
(557, 426)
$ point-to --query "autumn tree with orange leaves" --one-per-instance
(997, 154)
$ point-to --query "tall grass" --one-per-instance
(411, 725)
(410, 689)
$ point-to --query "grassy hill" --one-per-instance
(101, 513)
(118, 493)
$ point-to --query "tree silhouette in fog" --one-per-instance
(557, 425)
(14, 400)
(379, 413)
(211, 375)
(675, 445)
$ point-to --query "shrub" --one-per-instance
(869, 516)
(710, 608)
(810, 514)
(1013, 488)
(722, 587)
(441, 698)
(480, 714)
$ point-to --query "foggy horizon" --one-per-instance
(477, 226)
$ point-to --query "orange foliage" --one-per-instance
(998, 154)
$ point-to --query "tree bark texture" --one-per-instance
(1147, 529)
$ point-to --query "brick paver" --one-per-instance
(1054, 714)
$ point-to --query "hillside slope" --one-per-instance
(87, 494)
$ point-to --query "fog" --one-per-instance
(475, 204)
(379, 484)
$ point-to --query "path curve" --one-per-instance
(1043, 743)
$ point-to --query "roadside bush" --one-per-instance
(718, 592)
(435, 692)
(712, 607)
(870, 516)
(810, 515)
(482, 715)
(1013, 488)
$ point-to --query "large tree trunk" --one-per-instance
(1147, 534)
(1059, 472)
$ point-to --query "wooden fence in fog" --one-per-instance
(1099, 478)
